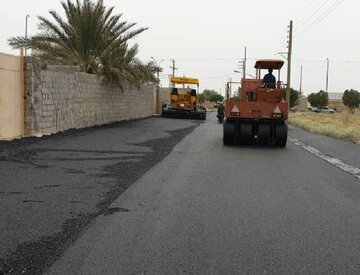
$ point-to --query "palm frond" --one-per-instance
(93, 38)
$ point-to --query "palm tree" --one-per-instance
(92, 38)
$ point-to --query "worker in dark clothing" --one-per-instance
(221, 109)
(269, 79)
(221, 112)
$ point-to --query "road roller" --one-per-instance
(259, 115)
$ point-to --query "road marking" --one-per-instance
(334, 161)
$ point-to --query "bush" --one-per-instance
(294, 96)
(351, 99)
(319, 99)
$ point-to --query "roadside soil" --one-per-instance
(339, 125)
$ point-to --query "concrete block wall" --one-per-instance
(62, 99)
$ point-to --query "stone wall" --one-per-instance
(58, 99)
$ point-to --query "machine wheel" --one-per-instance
(229, 133)
(281, 134)
(264, 131)
(204, 115)
(246, 133)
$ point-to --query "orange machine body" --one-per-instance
(261, 112)
(257, 102)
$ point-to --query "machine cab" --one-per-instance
(267, 64)
(256, 90)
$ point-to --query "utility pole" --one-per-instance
(157, 89)
(301, 74)
(158, 68)
(173, 70)
(230, 86)
(289, 63)
(327, 74)
(244, 65)
(26, 27)
(173, 67)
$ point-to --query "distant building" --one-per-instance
(209, 105)
(335, 96)
(335, 101)
(303, 104)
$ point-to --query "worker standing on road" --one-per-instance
(269, 79)
(221, 112)
(221, 109)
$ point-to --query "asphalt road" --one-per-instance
(54, 187)
(196, 208)
(210, 209)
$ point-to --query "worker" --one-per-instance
(269, 79)
(221, 109)
(221, 112)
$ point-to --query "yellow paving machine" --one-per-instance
(184, 101)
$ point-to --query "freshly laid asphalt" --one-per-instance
(53, 187)
(192, 205)
(210, 209)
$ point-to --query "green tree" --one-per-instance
(93, 38)
(294, 96)
(212, 95)
(207, 93)
(215, 97)
(351, 99)
(201, 98)
(319, 99)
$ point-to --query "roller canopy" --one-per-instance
(275, 64)
(184, 80)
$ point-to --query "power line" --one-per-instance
(210, 59)
(204, 78)
(325, 15)
(254, 59)
(257, 58)
(215, 77)
(312, 10)
(308, 18)
(322, 17)
(308, 8)
(305, 11)
(324, 60)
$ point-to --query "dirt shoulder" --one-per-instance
(338, 125)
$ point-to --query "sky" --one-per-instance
(207, 38)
